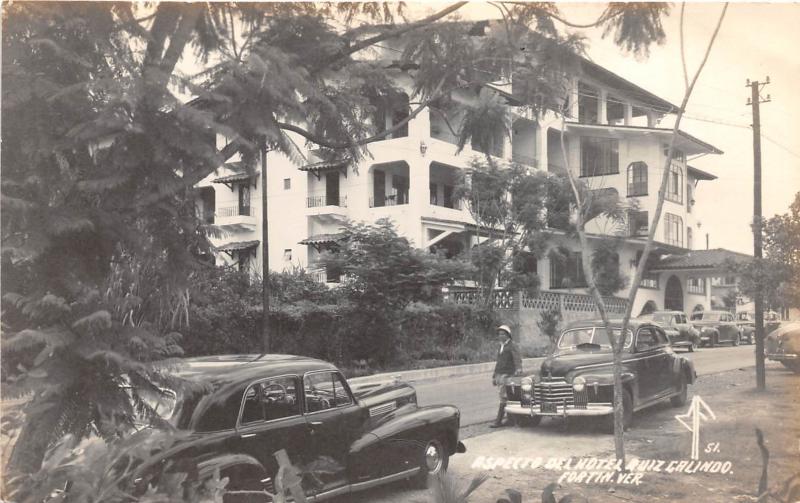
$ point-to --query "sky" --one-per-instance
(755, 41)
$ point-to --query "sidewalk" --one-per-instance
(438, 372)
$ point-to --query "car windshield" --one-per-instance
(588, 338)
(161, 401)
(706, 316)
(658, 317)
(745, 316)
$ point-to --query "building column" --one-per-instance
(651, 119)
(602, 107)
(708, 292)
(628, 114)
(420, 126)
(573, 98)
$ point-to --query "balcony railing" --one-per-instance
(543, 301)
(390, 200)
(319, 201)
(235, 211)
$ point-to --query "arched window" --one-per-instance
(637, 179)
(673, 229)
(675, 185)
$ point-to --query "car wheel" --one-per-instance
(433, 463)
(683, 392)
(527, 421)
(712, 341)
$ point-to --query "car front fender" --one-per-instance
(413, 424)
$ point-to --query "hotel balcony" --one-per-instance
(327, 207)
(238, 217)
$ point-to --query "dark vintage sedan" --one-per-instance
(342, 439)
(576, 379)
(716, 327)
(680, 332)
(783, 345)
(747, 324)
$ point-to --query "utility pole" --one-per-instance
(755, 100)
(265, 342)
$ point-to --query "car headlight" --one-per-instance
(579, 384)
(527, 384)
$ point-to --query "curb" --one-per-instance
(436, 372)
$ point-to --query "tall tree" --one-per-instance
(101, 152)
(632, 16)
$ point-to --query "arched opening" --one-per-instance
(699, 308)
(673, 295)
(649, 307)
(390, 184)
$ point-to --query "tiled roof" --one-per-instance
(700, 259)
(238, 245)
(317, 239)
(236, 177)
(324, 165)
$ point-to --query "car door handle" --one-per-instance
(247, 435)
(315, 423)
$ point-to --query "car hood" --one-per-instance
(558, 365)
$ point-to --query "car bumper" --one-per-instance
(517, 409)
(783, 357)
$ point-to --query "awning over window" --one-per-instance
(322, 166)
(238, 246)
(322, 239)
(236, 177)
(700, 174)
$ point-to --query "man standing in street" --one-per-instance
(509, 363)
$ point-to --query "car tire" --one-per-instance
(683, 392)
(527, 421)
(433, 462)
(712, 341)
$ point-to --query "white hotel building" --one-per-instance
(614, 143)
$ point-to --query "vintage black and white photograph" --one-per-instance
(389, 252)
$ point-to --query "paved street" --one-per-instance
(477, 399)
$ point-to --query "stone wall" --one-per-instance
(523, 312)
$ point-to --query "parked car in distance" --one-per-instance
(783, 345)
(244, 408)
(680, 332)
(716, 327)
(747, 324)
(577, 378)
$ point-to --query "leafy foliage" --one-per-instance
(95, 470)
(510, 205)
(605, 267)
(776, 275)
(636, 25)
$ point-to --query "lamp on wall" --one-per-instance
(423, 147)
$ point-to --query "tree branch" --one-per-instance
(391, 34)
(379, 136)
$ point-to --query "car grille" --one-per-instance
(556, 390)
